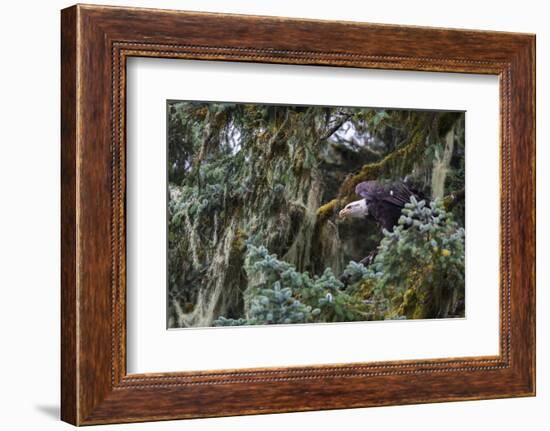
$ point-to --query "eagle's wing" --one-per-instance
(396, 193)
(399, 194)
(367, 189)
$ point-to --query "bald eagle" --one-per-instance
(383, 201)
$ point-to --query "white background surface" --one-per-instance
(29, 216)
(151, 348)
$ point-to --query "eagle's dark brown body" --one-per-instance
(385, 200)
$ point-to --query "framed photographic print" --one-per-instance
(259, 217)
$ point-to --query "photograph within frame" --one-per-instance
(293, 214)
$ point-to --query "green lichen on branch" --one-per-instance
(329, 209)
(400, 161)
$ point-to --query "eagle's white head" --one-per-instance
(356, 209)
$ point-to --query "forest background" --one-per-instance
(254, 235)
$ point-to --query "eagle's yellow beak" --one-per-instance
(343, 213)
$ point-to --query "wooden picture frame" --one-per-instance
(95, 43)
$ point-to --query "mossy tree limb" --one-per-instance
(401, 159)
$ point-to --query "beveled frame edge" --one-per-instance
(96, 41)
